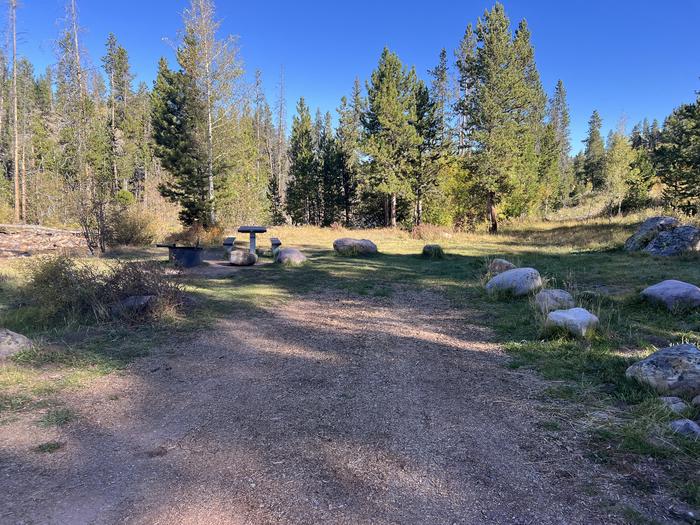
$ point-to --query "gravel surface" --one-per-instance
(330, 408)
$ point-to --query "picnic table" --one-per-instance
(252, 230)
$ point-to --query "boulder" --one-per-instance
(433, 251)
(499, 266)
(242, 258)
(348, 246)
(516, 282)
(649, 229)
(673, 294)
(12, 343)
(675, 370)
(289, 256)
(578, 322)
(674, 404)
(685, 427)
(548, 300)
(133, 305)
(678, 241)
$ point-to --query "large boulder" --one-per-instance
(12, 343)
(499, 266)
(674, 370)
(348, 246)
(649, 229)
(289, 256)
(242, 258)
(678, 241)
(673, 294)
(579, 322)
(553, 299)
(516, 282)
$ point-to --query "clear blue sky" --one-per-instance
(628, 59)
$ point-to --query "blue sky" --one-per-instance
(628, 59)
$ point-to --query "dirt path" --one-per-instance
(328, 409)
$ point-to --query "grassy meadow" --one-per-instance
(621, 422)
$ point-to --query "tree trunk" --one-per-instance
(15, 146)
(24, 184)
(393, 210)
(491, 213)
(386, 210)
(419, 210)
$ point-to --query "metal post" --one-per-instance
(252, 242)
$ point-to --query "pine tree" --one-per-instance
(594, 164)
(392, 139)
(177, 112)
(677, 158)
(348, 140)
(501, 108)
(303, 167)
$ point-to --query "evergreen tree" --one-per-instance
(677, 158)
(502, 107)
(348, 140)
(176, 113)
(391, 137)
(594, 164)
(303, 168)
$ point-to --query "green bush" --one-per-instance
(132, 226)
(62, 289)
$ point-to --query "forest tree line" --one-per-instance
(479, 141)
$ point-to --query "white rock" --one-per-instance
(517, 282)
(553, 299)
(242, 258)
(686, 427)
(675, 369)
(673, 294)
(696, 401)
(674, 404)
(289, 256)
(12, 343)
(348, 246)
(499, 266)
(577, 321)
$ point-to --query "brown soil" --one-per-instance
(330, 408)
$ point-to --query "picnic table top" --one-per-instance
(252, 229)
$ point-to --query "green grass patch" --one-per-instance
(57, 417)
(48, 447)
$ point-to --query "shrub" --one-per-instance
(433, 251)
(133, 226)
(196, 235)
(64, 290)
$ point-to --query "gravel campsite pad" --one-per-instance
(328, 408)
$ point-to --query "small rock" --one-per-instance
(433, 251)
(12, 343)
(553, 299)
(680, 240)
(673, 294)
(499, 266)
(685, 427)
(242, 258)
(675, 369)
(517, 282)
(348, 246)
(577, 321)
(674, 404)
(649, 229)
(696, 401)
(289, 256)
(134, 305)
